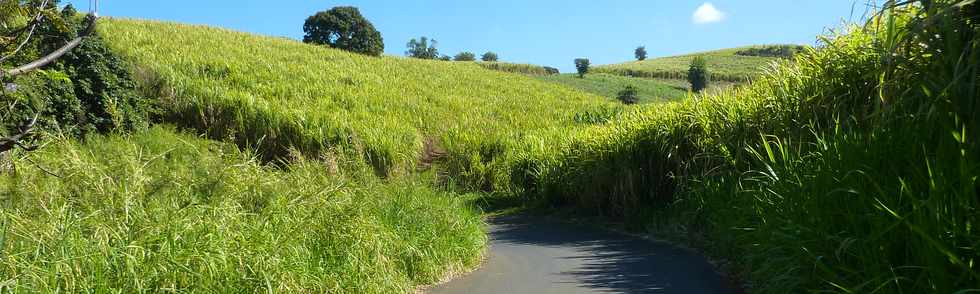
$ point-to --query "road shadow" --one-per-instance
(611, 262)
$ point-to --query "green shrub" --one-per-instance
(88, 90)
(465, 56)
(582, 66)
(697, 76)
(489, 57)
(422, 48)
(628, 95)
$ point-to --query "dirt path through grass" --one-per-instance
(534, 255)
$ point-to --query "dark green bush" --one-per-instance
(87, 90)
(628, 95)
(698, 74)
(582, 66)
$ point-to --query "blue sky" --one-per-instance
(547, 32)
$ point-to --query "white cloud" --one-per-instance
(707, 13)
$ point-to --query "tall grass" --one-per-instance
(726, 65)
(280, 95)
(853, 169)
(164, 212)
(606, 85)
(528, 69)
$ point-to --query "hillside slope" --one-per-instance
(607, 85)
(725, 65)
(279, 96)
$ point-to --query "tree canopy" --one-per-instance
(344, 28)
(489, 57)
(465, 56)
(422, 48)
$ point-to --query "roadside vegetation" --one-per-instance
(851, 167)
(157, 210)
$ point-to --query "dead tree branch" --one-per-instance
(35, 22)
(25, 131)
(92, 19)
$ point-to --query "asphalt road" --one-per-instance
(533, 255)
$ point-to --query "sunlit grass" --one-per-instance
(724, 65)
(164, 212)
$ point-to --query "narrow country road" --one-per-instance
(532, 255)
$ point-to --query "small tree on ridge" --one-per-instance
(641, 53)
(422, 49)
(465, 56)
(344, 28)
(698, 74)
(582, 65)
(489, 57)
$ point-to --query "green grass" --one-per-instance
(852, 169)
(158, 211)
(724, 65)
(607, 85)
(281, 95)
(528, 69)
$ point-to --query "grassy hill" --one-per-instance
(279, 95)
(607, 85)
(731, 65)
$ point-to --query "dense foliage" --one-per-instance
(423, 48)
(582, 66)
(628, 95)
(465, 56)
(781, 51)
(698, 75)
(344, 28)
(87, 90)
(640, 53)
(489, 57)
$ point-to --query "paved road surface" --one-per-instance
(532, 255)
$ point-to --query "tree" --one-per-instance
(698, 74)
(489, 57)
(551, 70)
(446, 58)
(582, 65)
(344, 28)
(40, 18)
(422, 49)
(628, 95)
(641, 53)
(465, 56)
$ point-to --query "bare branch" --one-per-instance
(34, 24)
(92, 19)
(42, 168)
(9, 143)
